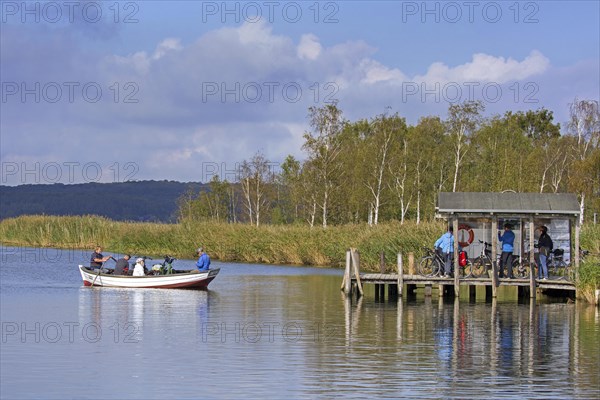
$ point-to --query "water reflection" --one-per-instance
(492, 343)
(314, 342)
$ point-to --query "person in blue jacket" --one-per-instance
(445, 244)
(508, 239)
(203, 263)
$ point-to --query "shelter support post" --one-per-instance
(531, 260)
(455, 261)
(494, 264)
(577, 229)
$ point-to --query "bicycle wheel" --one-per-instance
(480, 266)
(521, 269)
(426, 266)
(468, 270)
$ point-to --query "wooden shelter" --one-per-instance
(468, 212)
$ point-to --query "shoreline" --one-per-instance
(293, 245)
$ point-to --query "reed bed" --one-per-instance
(271, 244)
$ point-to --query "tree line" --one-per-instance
(381, 168)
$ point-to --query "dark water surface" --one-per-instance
(278, 332)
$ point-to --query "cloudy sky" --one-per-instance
(181, 90)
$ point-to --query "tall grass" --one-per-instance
(273, 244)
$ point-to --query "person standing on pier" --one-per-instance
(508, 240)
(445, 244)
(545, 246)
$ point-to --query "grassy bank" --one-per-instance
(272, 244)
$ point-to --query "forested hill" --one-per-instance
(125, 201)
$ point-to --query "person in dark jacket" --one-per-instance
(545, 246)
(508, 240)
(97, 258)
(122, 267)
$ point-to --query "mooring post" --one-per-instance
(347, 281)
(411, 263)
(356, 264)
(400, 275)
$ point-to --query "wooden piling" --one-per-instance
(411, 263)
(427, 290)
(356, 263)
(347, 281)
(400, 282)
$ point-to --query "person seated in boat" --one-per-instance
(203, 263)
(98, 258)
(122, 267)
(140, 267)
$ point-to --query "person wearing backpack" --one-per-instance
(545, 246)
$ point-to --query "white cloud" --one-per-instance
(179, 126)
(486, 68)
(309, 47)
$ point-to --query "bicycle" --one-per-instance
(483, 262)
(558, 266)
(431, 263)
(521, 266)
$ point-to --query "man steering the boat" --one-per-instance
(98, 258)
(203, 263)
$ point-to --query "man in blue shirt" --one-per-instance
(203, 263)
(445, 244)
(508, 240)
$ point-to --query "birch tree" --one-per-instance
(255, 178)
(323, 146)
(463, 120)
(378, 150)
(584, 124)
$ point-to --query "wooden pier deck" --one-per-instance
(400, 281)
(388, 279)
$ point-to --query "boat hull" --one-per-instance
(187, 280)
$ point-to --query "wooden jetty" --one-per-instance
(400, 282)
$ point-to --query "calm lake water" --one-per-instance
(278, 332)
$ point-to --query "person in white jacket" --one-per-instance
(138, 270)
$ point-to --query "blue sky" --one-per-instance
(180, 88)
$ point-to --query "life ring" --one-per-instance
(465, 227)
